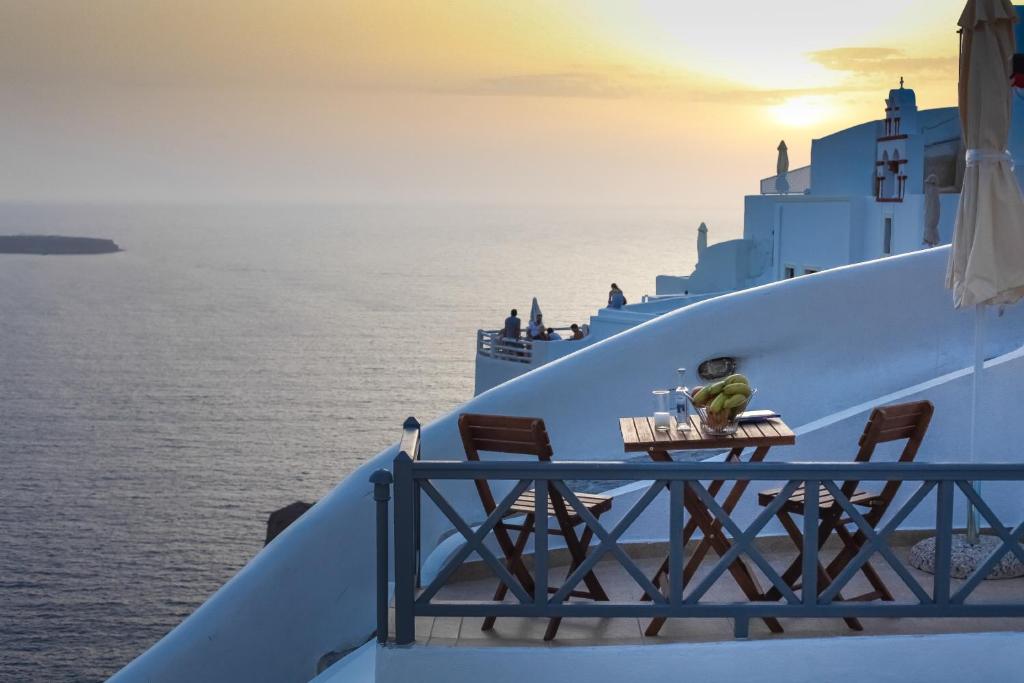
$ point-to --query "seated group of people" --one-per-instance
(536, 329)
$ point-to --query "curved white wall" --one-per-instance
(813, 346)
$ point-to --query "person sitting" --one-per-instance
(616, 299)
(535, 329)
(552, 335)
(577, 333)
(512, 326)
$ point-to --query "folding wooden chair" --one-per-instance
(528, 436)
(889, 423)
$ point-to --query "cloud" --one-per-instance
(618, 82)
(864, 69)
(883, 62)
(558, 84)
(603, 82)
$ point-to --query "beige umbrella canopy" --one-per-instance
(986, 265)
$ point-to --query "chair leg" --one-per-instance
(792, 572)
(795, 569)
(578, 552)
(597, 591)
(824, 580)
(656, 580)
(852, 544)
(514, 563)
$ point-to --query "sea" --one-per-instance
(157, 404)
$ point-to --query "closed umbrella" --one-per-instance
(986, 264)
(782, 165)
(782, 168)
(534, 310)
(930, 238)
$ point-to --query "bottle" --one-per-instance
(682, 403)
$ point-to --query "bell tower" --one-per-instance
(891, 155)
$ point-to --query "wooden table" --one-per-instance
(639, 435)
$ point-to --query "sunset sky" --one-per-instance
(568, 102)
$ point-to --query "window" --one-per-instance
(811, 271)
(789, 272)
(887, 236)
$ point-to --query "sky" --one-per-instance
(631, 102)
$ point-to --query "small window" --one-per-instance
(810, 271)
(887, 236)
(789, 272)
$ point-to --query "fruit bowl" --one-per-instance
(722, 421)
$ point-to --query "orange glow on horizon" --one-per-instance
(389, 100)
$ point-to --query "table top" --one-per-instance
(639, 434)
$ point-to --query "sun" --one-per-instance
(801, 112)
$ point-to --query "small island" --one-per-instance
(55, 244)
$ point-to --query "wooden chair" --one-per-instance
(907, 421)
(528, 436)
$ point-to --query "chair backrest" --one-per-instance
(501, 434)
(901, 421)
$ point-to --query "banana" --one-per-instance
(736, 378)
(736, 389)
(701, 398)
(734, 401)
(718, 404)
(717, 387)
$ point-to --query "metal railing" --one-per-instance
(797, 181)
(411, 478)
(493, 344)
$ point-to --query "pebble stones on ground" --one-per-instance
(966, 557)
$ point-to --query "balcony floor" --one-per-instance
(476, 583)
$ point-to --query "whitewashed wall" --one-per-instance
(814, 346)
(881, 659)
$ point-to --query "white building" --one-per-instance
(861, 198)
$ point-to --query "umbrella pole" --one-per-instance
(979, 365)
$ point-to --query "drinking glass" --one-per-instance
(662, 416)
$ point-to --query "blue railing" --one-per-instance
(413, 478)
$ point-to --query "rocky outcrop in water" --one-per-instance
(55, 244)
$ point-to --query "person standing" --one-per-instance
(616, 299)
(512, 326)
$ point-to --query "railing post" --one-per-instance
(676, 549)
(405, 551)
(381, 480)
(943, 542)
(741, 628)
(540, 542)
(809, 580)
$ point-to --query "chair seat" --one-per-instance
(595, 504)
(826, 501)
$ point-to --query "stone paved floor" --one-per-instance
(461, 632)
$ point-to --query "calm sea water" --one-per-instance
(156, 405)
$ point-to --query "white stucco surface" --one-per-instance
(813, 346)
(880, 659)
